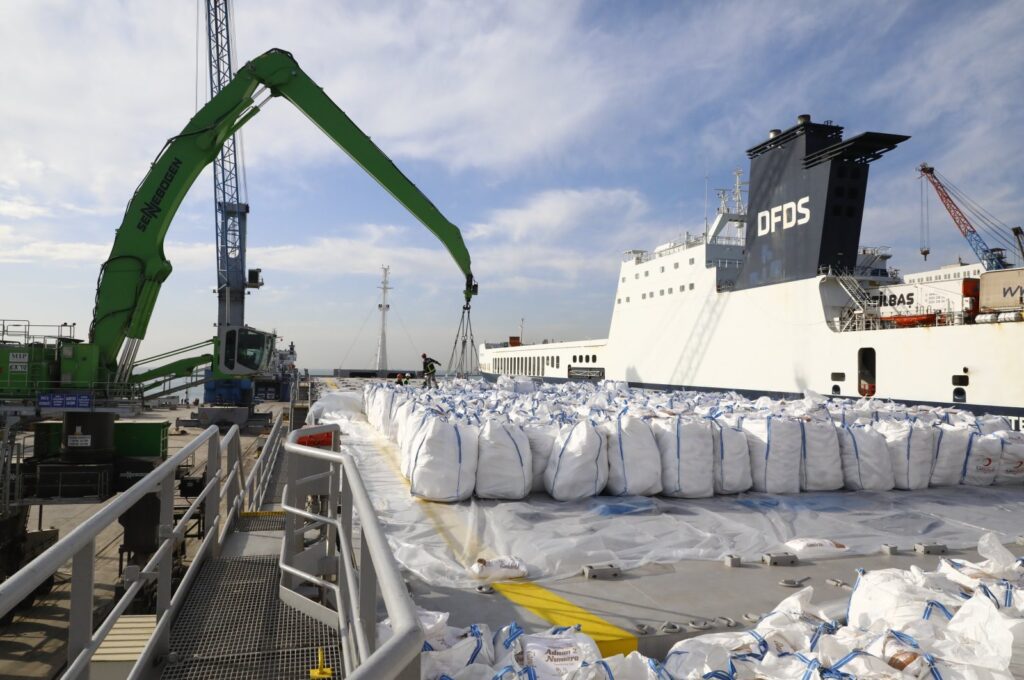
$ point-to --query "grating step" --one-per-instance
(233, 624)
(259, 523)
(292, 664)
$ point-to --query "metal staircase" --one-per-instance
(862, 313)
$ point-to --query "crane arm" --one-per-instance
(986, 255)
(131, 278)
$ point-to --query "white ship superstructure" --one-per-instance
(780, 298)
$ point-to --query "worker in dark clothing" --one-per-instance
(429, 370)
(400, 379)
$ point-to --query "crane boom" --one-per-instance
(990, 258)
(131, 278)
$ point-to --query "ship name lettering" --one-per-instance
(787, 215)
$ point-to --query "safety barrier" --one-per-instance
(328, 482)
(79, 546)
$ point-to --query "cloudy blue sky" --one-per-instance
(555, 134)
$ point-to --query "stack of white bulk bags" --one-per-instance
(820, 465)
(911, 448)
(731, 458)
(578, 467)
(687, 457)
(775, 446)
(867, 464)
(634, 464)
(444, 461)
(505, 464)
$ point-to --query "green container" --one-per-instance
(47, 439)
(141, 438)
(26, 369)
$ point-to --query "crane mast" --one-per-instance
(991, 258)
(230, 212)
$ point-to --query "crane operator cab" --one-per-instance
(244, 351)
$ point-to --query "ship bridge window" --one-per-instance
(669, 291)
(594, 358)
(691, 286)
(636, 276)
(647, 273)
(623, 279)
(959, 395)
(574, 359)
(586, 358)
(676, 266)
(961, 381)
(618, 301)
(643, 296)
(866, 372)
(838, 377)
(661, 292)
(558, 362)
(691, 260)
(662, 270)
(627, 298)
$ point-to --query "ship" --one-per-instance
(778, 297)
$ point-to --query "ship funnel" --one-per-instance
(773, 133)
(803, 119)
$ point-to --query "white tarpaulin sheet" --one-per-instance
(556, 539)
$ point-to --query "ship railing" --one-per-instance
(258, 481)
(223, 488)
(349, 562)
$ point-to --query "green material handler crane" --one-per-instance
(99, 373)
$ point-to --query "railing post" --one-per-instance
(165, 568)
(80, 616)
(211, 509)
(234, 460)
(367, 594)
(291, 521)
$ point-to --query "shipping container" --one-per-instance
(1002, 290)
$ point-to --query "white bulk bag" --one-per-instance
(1011, 463)
(542, 439)
(468, 646)
(982, 460)
(951, 443)
(867, 465)
(415, 428)
(578, 467)
(444, 462)
(687, 457)
(634, 666)
(775, 448)
(893, 598)
(505, 466)
(634, 463)
(911, 448)
(820, 465)
(731, 459)
(556, 653)
(989, 424)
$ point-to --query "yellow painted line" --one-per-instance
(561, 612)
(549, 606)
(262, 513)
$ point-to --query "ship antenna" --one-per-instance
(705, 198)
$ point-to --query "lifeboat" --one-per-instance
(910, 320)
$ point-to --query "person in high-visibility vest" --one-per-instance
(429, 370)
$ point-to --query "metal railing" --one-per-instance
(258, 481)
(348, 587)
(79, 546)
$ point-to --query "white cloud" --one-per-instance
(21, 208)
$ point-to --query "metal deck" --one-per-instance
(233, 625)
